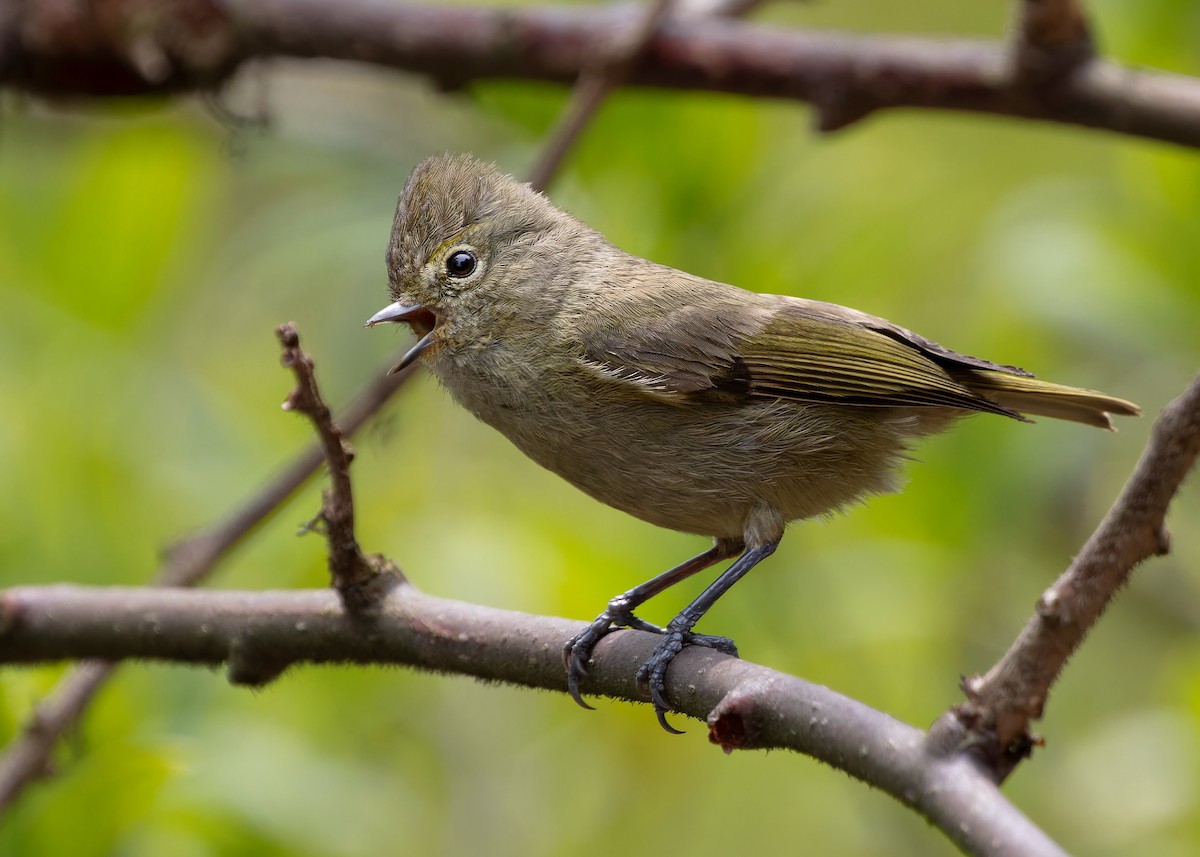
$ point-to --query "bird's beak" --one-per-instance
(421, 320)
(396, 312)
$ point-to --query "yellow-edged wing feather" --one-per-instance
(732, 347)
(723, 349)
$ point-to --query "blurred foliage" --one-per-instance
(147, 251)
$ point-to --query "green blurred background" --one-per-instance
(147, 251)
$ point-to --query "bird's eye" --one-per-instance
(461, 263)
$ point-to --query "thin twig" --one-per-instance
(598, 81)
(1012, 693)
(28, 758)
(747, 706)
(192, 559)
(352, 572)
(592, 89)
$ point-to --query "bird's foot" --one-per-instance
(577, 651)
(652, 676)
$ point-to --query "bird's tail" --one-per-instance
(1058, 401)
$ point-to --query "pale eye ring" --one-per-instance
(461, 263)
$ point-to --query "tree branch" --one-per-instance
(1001, 704)
(259, 634)
(61, 48)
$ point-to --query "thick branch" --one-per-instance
(1002, 703)
(197, 44)
(259, 634)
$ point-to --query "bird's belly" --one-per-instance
(701, 468)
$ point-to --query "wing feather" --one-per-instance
(792, 349)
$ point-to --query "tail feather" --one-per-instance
(1057, 401)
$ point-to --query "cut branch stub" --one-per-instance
(1052, 38)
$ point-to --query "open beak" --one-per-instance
(418, 317)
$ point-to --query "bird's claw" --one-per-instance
(576, 672)
(577, 651)
(652, 676)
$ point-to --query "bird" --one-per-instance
(691, 404)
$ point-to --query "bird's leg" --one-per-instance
(619, 614)
(651, 678)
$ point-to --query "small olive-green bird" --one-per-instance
(688, 403)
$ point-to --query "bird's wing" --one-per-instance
(806, 351)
